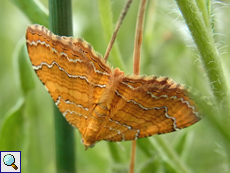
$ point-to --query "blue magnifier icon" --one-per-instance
(9, 160)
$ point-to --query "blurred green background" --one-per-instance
(26, 111)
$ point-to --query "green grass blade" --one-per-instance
(107, 25)
(34, 10)
(12, 133)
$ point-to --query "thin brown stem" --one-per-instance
(138, 37)
(136, 63)
(119, 22)
(132, 160)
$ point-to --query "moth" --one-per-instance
(101, 102)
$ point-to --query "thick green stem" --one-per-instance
(202, 35)
(195, 16)
(61, 24)
(202, 4)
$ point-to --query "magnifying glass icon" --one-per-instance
(9, 160)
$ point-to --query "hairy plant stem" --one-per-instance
(203, 38)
